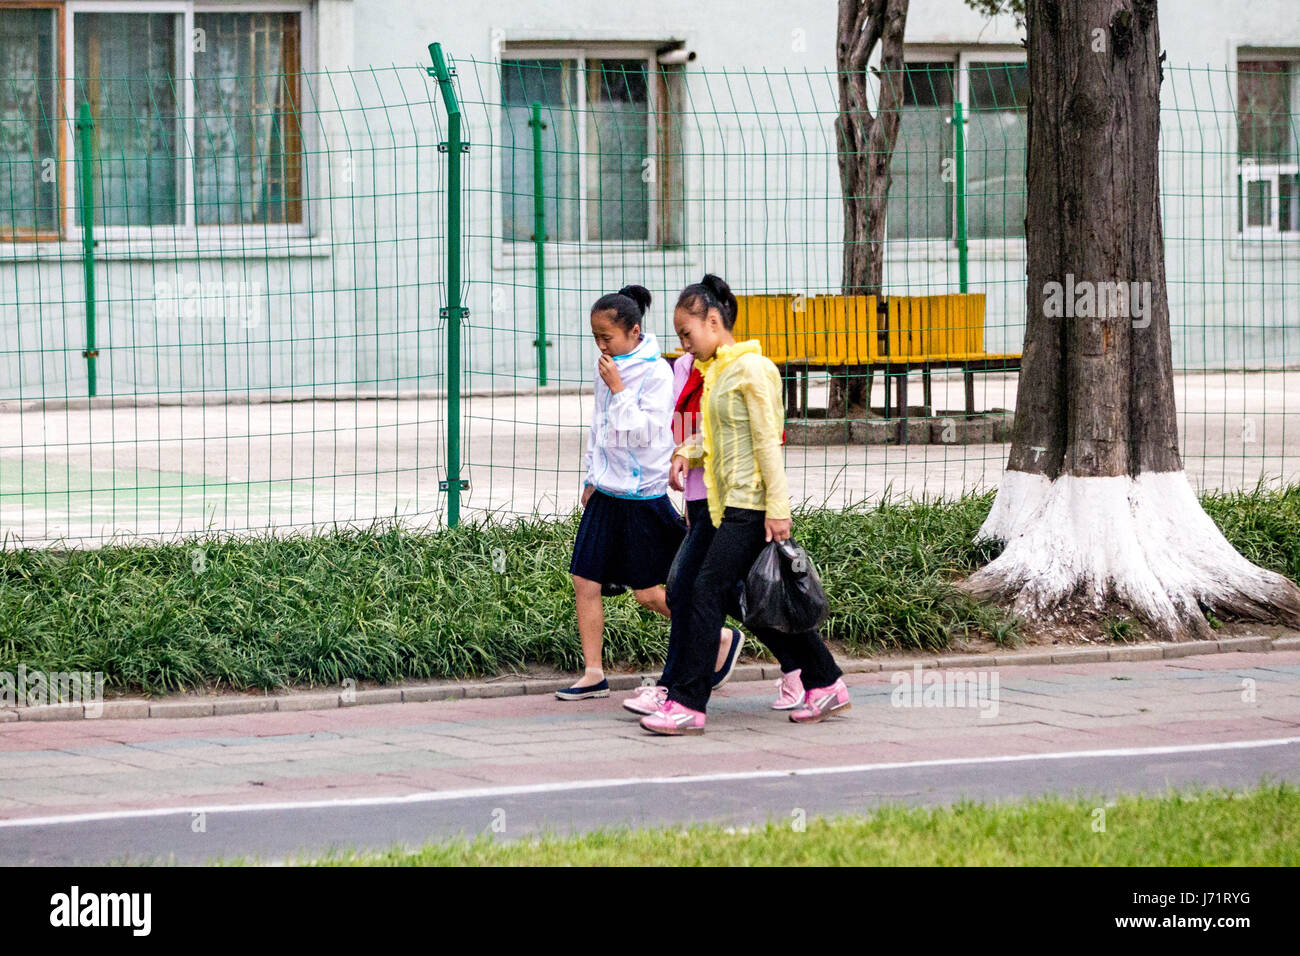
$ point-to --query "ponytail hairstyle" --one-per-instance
(710, 293)
(628, 304)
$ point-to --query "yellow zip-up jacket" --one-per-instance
(739, 445)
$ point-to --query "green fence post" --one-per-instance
(959, 134)
(539, 240)
(453, 313)
(86, 162)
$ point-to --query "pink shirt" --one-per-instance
(695, 490)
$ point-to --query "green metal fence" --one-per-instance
(321, 298)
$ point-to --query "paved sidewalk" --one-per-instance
(98, 766)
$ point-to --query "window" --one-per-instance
(223, 149)
(248, 162)
(30, 140)
(1268, 159)
(996, 142)
(553, 83)
(994, 91)
(608, 154)
(920, 204)
(126, 69)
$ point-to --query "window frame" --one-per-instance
(190, 229)
(512, 252)
(61, 126)
(961, 57)
(1250, 171)
(1244, 170)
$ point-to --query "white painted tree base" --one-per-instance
(1083, 545)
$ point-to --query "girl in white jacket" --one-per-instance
(629, 531)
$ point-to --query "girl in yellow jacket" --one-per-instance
(739, 446)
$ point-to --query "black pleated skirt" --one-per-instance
(626, 544)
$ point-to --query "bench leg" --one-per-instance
(970, 393)
(803, 391)
(869, 377)
(901, 389)
(927, 389)
(886, 379)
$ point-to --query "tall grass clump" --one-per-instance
(384, 604)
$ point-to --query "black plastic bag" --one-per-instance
(782, 591)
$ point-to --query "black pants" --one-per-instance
(689, 559)
(728, 554)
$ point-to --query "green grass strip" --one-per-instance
(383, 604)
(1258, 827)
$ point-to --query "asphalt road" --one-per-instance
(275, 832)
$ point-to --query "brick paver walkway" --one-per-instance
(90, 766)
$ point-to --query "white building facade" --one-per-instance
(270, 198)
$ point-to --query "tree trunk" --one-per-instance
(865, 146)
(1094, 506)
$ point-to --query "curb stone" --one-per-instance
(1090, 655)
(52, 712)
(1246, 644)
(182, 708)
(952, 662)
(1135, 653)
(414, 695)
(1189, 650)
(849, 667)
(241, 705)
(125, 709)
(477, 691)
(1032, 658)
(139, 708)
(292, 702)
(535, 687)
(378, 695)
(625, 681)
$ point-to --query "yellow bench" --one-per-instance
(859, 334)
(813, 330)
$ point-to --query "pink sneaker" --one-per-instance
(647, 699)
(674, 720)
(790, 693)
(822, 702)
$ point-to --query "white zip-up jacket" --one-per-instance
(630, 441)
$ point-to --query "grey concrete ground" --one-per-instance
(82, 476)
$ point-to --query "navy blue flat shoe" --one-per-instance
(582, 693)
(723, 674)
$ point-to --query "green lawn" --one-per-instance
(386, 605)
(1206, 828)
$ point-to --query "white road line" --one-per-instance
(560, 787)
